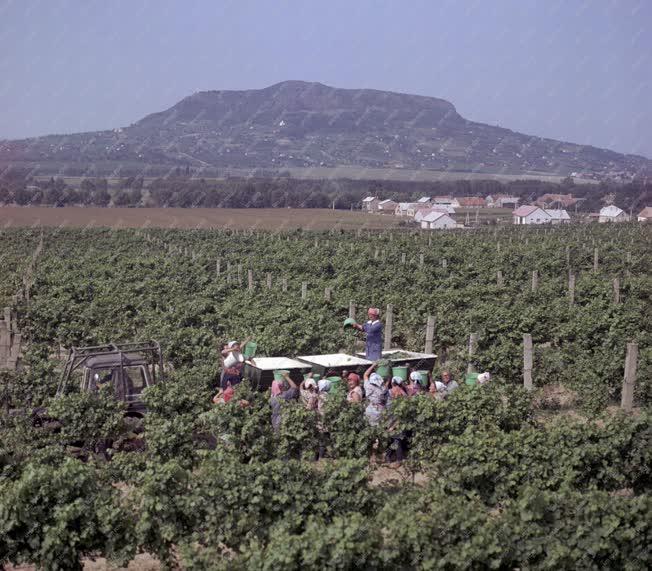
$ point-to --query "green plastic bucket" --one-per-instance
(336, 383)
(250, 349)
(400, 372)
(423, 378)
(348, 322)
(471, 379)
(384, 368)
(278, 374)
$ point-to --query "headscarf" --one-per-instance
(353, 377)
(375, 379)
(232, 344)
(324, 385)
(397, 381)
(310, 383)
(484, 377)
(414, 376)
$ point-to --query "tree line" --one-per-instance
(19, 188)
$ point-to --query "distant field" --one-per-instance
(263, 218)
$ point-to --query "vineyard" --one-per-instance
(496, 476)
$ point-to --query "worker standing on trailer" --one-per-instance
(374, 330)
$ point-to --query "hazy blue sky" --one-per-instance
(573, 70)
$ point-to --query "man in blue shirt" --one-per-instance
(374, 330)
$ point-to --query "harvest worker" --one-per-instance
(232, 364)
(288, 391)
(374, 388)
(374, 330)
(308, 393)
(449, 384)
(355, 393)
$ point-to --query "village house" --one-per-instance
(558, 216)
(471, 202)
(531, 215)
(424, 200)
(612, 213)
(645, 215)
(502, 201)
(402, 208)
(370, 204)
(422, 212)
(445, 201)
(387, 206)
(558, 200)
(437, 221)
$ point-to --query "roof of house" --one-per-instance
(508, 198)
(557, 214)
(471, 201)
(563, 199)
(387, 200)
(526, 210)
(646, 212)
(369, 199)
(405, 205)
(424, 199)
(611, 211)
(432, 216)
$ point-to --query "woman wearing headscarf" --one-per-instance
(232, 364)
(376, 393)
(355, 393)
(308, 394)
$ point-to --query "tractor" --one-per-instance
(128, 367)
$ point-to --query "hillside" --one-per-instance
(296, 124)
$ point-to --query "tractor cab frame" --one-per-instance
(128, 367)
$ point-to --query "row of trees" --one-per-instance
(19, 188)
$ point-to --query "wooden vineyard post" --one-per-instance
(571, 288)
(627, 401)
(304, 290)
(616, 286)
(421, 260)
(240, 274)
(250, 280)
(389, 323)
(327, 294)
(444, 263)
(568, 256)
(403, 258)
(499, 279)
(218, 268)
(595, 259)
(430, 334)
(429, 240)
(269, 280)
(376, 252)
(352, 309)
(473, 345)
(535, 280)
(527, 361)
(284, 284)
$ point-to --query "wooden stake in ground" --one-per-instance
(527, 361)
(595, 259)
(616, 286)
(499, 278)
(473, 345)
(269, 280)
(284, 284)
(250, 280)
(352, 309)
(430, 334)
(421, 260)
(403, 256)
(389, 322)
(535, 280)
(627, 401)
(218, 268)
(327, 294)
(571, 288)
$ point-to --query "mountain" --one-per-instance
(298, 124)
